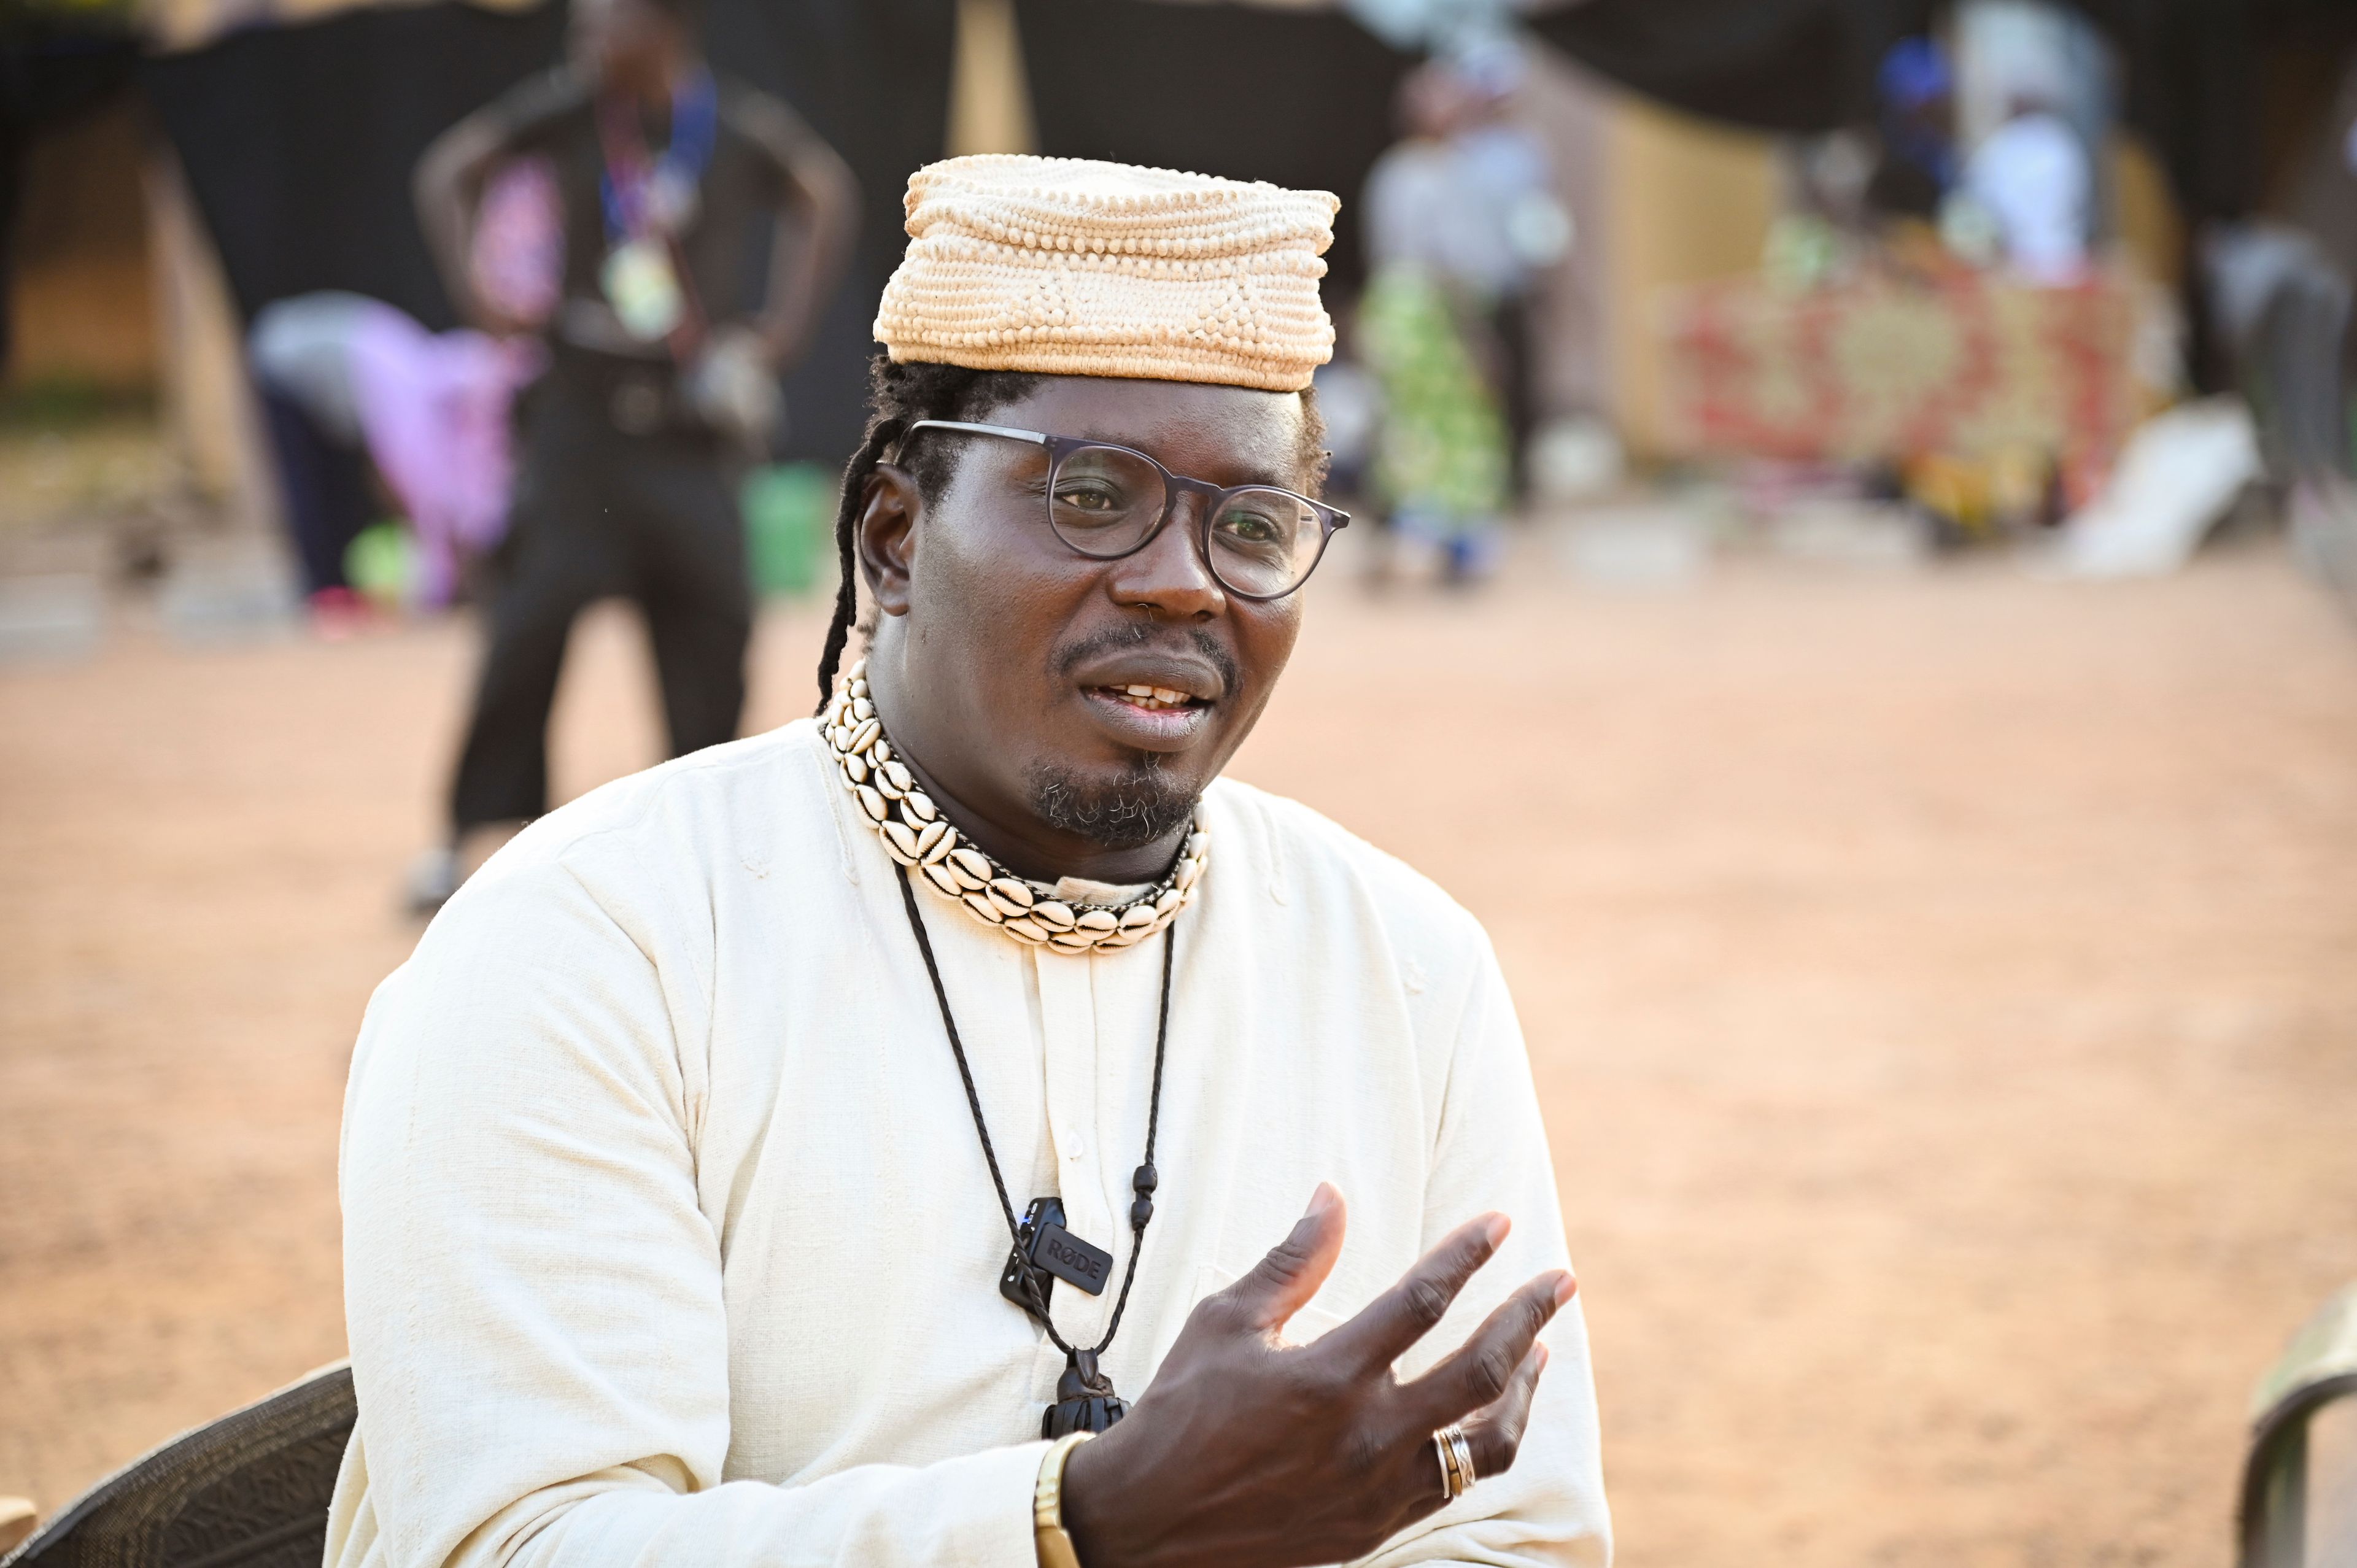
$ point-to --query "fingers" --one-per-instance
(1281, 1283)
(1494, 1433)
(1481, 1371)
(1405, 1314)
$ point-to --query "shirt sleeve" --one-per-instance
(1492, 1154)
(533, 1294)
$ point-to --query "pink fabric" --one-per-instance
(434, 408)
(519, 257)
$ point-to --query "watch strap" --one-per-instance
(1054, 1546)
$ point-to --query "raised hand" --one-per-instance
(1250, 1453)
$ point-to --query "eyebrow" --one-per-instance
(1252, 475)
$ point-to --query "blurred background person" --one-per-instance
(664, 345)
(1440, 254)
(355, 395)
(1915, 92)
(2033, 176)
(1517, 228)
(2279, 290)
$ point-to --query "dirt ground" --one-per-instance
(1943, 989)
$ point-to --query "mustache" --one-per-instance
(1144, 634)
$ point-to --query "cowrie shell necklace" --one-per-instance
(915, 833)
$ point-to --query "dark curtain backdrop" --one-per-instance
(299, 143)
(2192, 69)
(1297, 98)
(1771, 65)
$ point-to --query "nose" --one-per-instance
(1169, 577)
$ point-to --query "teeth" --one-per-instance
(1158, 696)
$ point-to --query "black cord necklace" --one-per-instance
(1044, 1251)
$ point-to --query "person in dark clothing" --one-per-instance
(664, 340)
(1917, 167)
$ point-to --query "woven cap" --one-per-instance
(1066, 266)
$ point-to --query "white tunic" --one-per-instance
(668, 1239)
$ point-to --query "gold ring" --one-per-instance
(1456, 1461)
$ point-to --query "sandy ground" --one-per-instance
(1943, 989)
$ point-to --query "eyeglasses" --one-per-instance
(1108, 501)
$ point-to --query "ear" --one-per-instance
(886, 532)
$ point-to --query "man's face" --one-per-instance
(1005, 661)
(618, 41)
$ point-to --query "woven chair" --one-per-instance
(2299, 1484)
(249, 1490)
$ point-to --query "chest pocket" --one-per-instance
(1309, 1323)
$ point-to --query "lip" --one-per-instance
(1145, 729)
(1145, 667)
(1150, 729)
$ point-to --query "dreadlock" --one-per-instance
(898, 395)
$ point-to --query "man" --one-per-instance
(665, 346)
(795, 1152)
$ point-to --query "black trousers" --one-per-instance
(600, 512)
(325, 483)
(1517, 385)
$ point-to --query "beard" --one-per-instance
(1131, 809)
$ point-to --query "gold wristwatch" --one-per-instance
(1055, 1547)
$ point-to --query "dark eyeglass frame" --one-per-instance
(1059, 447)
